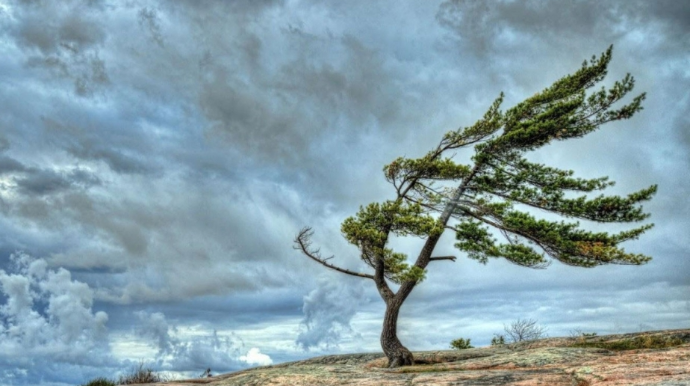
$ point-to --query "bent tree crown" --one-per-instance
(433, 193)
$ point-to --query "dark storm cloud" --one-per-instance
(63, 39)
(70, 30)
(148, 19)
(282, 112)
(483, 24)
(116, 160)
(42, 182)
(123, 150)
(8, 165)
(35, 181)
(682, 124)
(276, 111)
(4, 143)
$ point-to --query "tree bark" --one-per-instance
(398, 355)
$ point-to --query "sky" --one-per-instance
(157, 159)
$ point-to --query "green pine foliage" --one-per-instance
(461, 344)
(371, 229)
(486, 194)
(498, 340)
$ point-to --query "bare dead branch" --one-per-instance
(525, 329)
(303, 244)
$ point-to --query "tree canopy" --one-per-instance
(434, 193)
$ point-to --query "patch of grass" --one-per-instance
(424, 369)
(636, 343)
(100, 382)
(140, 374)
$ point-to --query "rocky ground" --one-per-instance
(650, 358)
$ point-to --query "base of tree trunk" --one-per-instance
(400, 357)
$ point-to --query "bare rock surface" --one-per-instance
(659, 358)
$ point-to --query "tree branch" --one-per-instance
(549, 251)
(425, 254)
(380, 280)
(303, 242)
(451, 258)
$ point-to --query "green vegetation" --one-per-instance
(636, 343)
(498, 340)
(578, 333)
(461, 344)
(424, 369)
(139, 374)
(100, 382)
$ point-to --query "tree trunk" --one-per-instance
(398, 355)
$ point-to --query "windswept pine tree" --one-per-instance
(434, 194)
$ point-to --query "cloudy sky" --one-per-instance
(157, 159)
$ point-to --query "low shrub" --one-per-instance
(100, 382)
(636, 343)
(461, 344)
(578, 333)
(498, 340)
(140, 374)
(525, 330)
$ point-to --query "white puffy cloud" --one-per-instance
(49, 329)
(155, 328)
(255, 357)
(328, 310)
(48, 313)
(191, 350)
(47, 320)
